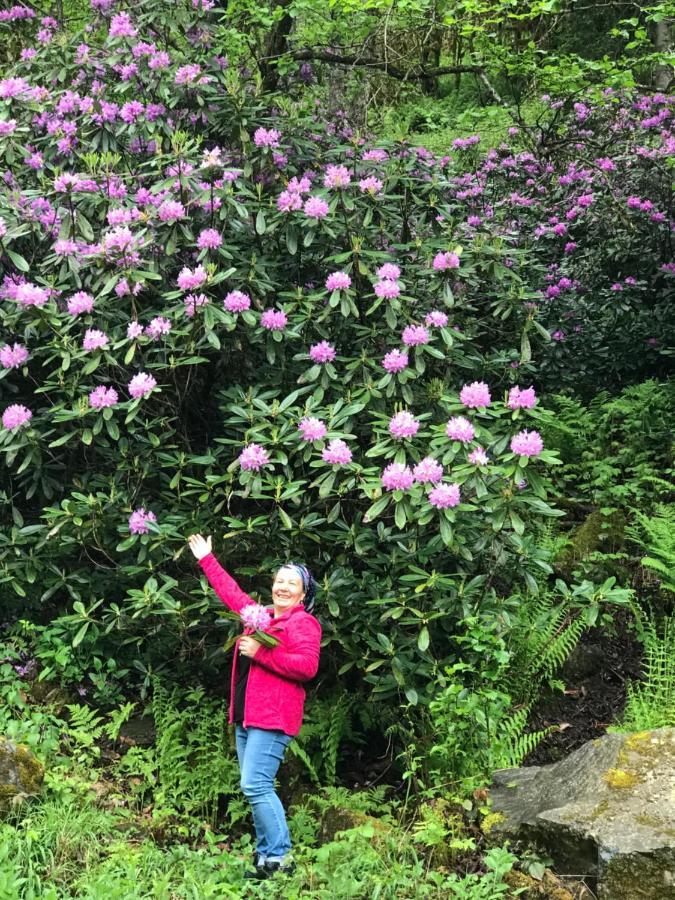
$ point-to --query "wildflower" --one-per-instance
(403, 425)
(192, 301)
(289, 201)
(322, 352)
(315, 208)
(558, 335)
(395, 361)
(15, 416)
(237, 301)
(388, 289)
(121, 26)
(371, 185)
(397, 477)
(444, 496)
(527, 443)
(94, 339)
(436, 318)
(264, 138)
(138, 520)
(475, 395)
(102, 396)
(521, 399)
(337, 452)
(189, 280)
(141, 385)
(170, 211)
(338, 281)
(253, 457)
(312, 429)
(460, 429)
(389, 271)
(414, 335)
(11, 357)
(336, 176)
(255, 617)
(81, 302)
(274, 319)
(209, 239)
(134, 330)
(28, 294)
(478, 457)
(447, 260)
(428, 471)
(157, 327)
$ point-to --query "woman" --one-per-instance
(267, 695)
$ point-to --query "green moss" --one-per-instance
(492, 819)
(620, 778)
(20, 772)
(597, 532)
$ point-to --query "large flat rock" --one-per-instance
(606, 812)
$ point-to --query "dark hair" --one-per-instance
(308, 583)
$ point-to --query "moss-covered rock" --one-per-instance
(21, 774)
(606, 812)
(599, 531)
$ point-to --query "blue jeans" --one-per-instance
(260, 753)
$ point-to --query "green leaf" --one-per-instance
(18, 260)
(400, 516)
(80, 634)
(423, 639)
(260, 224)
(377, 508)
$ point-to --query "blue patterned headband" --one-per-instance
(308, 584)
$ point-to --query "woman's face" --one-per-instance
(287, 590)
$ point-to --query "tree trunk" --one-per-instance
(663, 41)
(275, 46)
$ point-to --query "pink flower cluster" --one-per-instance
(94, 339)
(337, 453)
(475, 395)
(428, 471)
(102, 396)
(209, 239)
(192, 302)
(15, 416)
(414, 335)
(338, 281)
(157, 327)
(11, 357)
(460, 429)
(28, 294)
(188, 280)
(524, 399)
(322, 352)
(436, 318)
(397, 477)
(395, 361)
(336, 177)
(138, 520)
(315, 208)
(446, 260)
(141, 385)
(403, 425)
(255, 617)
(444, 496)
(274, 319)
(237, 301)
(527, 443)
(263, 137)
(253, 457)
(312, 429)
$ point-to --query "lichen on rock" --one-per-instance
(21, 774)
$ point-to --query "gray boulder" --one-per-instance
(21, 774)
(606, 812)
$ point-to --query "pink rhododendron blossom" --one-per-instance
(337, 453)
(312, 429)
(209, 239)
(436, 318)
(336, 176)
(395, 361)
(460, 429)
(478, 457)
(338, 281)
(189, 280)
(274, 319)
(447, 260)
(253, 457)
(403, 425)
(15, 416)
(171, 211)
(192, 302)
(397, 477)
(121, 26)
(388, 271)
(322, 352)
(289, 201)
(11, 357)
(527, 443)
(387, 289)
(413, 335)
(371, 185)
(28, 294)
(263, 137)
(134, 330)
(102, 396)
(475, 395)
(428, 471)
(79, 303)
(138, 520)
(255, 617)
(315, 208)
(237, 301)
(157, 327)
(444, 496)
(524, 399)
(141, 385)
(94, 339)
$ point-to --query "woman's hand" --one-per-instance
(248, 646)
(200, 546)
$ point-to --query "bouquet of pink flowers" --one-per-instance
(255, 617)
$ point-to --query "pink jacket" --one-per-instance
(275, 697)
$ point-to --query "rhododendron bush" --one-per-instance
(220, 318)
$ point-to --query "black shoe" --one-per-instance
(279, 868)
(259, 873)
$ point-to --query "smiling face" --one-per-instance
(287, 590)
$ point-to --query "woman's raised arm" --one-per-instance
(223, 584)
